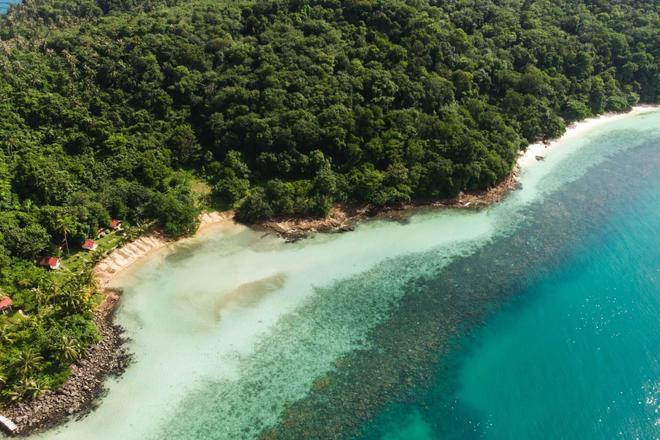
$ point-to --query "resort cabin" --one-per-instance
(115, 225)
(5, 305)
(90, 245)
(53, 263)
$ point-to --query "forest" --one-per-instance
(121, 109)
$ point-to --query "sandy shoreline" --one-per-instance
(122, 258)
(576, 129)
(109, 356)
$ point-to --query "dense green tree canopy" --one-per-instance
(114, 108)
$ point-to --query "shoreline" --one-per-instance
(344, 218)
(109, 357)
(529, 156)
(127, 255)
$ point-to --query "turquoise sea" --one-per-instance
(535, 318)
(574, 354)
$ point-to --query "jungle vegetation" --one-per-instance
(116, 108)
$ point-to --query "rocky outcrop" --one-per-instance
(340, 219)
(106, 358)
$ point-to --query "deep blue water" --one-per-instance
(575, 353)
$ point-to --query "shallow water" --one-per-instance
(235, 329)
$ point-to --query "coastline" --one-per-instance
(538, 149)
(109, 357)
(344, 218)
(124, 257)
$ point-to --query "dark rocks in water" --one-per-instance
(294, 236)
(539, 158)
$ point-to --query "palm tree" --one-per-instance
(43, 295)
(7, 334)
(36, 388)
(28, 361)
(72, 301)
(28, 387)
(62, 224)
(69, 349)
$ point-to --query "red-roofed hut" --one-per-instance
(5, 305)
(90, 245)
(53, 263)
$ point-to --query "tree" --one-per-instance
(7, 334)
(255, 207)
(28, 363)
(69, 349)
(63, 223)
(284, 108)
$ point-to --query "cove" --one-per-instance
(239, 335)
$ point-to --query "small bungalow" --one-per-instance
(5, 305)
(90, 245)
(115, 225)
(53, 263)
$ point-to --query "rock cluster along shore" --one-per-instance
(106, 358)
(339, 220)
(344, 218)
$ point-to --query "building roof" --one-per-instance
(114, 224)
(88, 244)
(49, 261)
(5, 302)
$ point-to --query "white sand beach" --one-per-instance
(541, 149)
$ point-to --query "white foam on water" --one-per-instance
(233, 326)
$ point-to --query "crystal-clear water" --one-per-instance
(575, 355)
(238, 335)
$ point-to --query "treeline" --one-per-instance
(119, 108)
